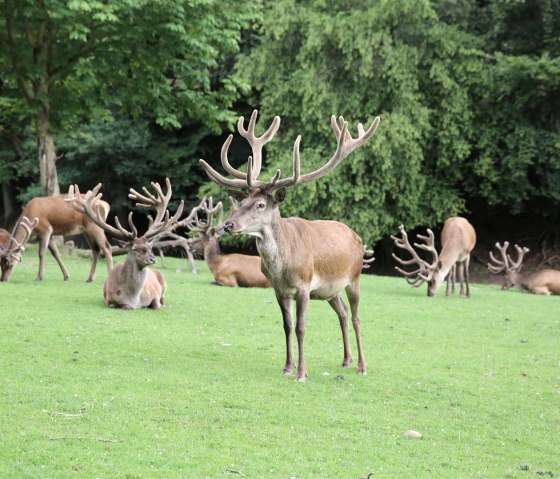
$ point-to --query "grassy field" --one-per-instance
(195, 390)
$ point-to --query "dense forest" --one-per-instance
(125, 93)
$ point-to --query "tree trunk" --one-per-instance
(47, 156)
(8, 202)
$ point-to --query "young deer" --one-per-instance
(132, 285)
(57, 218)
(11, 248)
(546, 281)
(228, 269)
(302, 259)
(457, 240)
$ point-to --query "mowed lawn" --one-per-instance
(195, 390)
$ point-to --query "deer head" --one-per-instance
(506, 265)
(11, 254)
(425, 271)
(260, 199)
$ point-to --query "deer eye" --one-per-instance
(261, 205)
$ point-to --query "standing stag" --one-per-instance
(57, 218)
(11, 248)
(302, 259)
(546, 281)
(228, 269)
(457, 241)
(132, 285)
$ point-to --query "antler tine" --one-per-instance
(502, 265)
(15, 247)
(345, 145)
(84, 203)
(257, 143)
(425, 270)
(521, 252)
(430, 247)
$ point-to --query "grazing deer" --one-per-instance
(57, 218)
(546, 281)
(11, 248)
(302, 259)
(132, 285)
(457, 241)
(228, 269)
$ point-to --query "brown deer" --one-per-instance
(546, 281)
(4, 237)
(457, 241)
(57, 218)
(11, 249)
(228, 269)
(302, 259)
(132, 285)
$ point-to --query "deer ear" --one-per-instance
(279, 195)
(439, 265)
(238, 194)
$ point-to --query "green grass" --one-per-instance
(195, 390)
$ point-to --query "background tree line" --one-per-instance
(468, 92)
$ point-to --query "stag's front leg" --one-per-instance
(285, 307)
(302, 302)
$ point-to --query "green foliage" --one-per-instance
(392, 59)
(195, 389)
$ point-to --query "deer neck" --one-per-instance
(212, 252)
(448, 257)
(134, 274)
(273, 243)
(519, 280)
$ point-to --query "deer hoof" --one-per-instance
(288, 370)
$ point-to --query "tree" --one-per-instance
(360, 59)
(71, 59)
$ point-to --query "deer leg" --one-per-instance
(54, 251)
(451, 280)
(353, 293)
(285, 307)
(461, 268)
(342, 311)
(95, 258)
(466, 274)
(302, 302)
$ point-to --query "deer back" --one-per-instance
(545, 281)
(457, 240)
(53, 212)
(234, 269)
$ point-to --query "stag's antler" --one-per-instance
(345, 145)
(506, 263)
(206, 206)
(162, 224)
(84, 204)
(425, 270)
(15, 247)
(366, 263)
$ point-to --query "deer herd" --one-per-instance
(300, 259)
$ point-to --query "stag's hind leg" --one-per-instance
(342, 312)
(353, 293)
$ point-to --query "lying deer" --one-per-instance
(132, 285)
(57, 218)
(546, 281)
(11, 248)
(302, 259)
(457, 240)
(228, 269)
